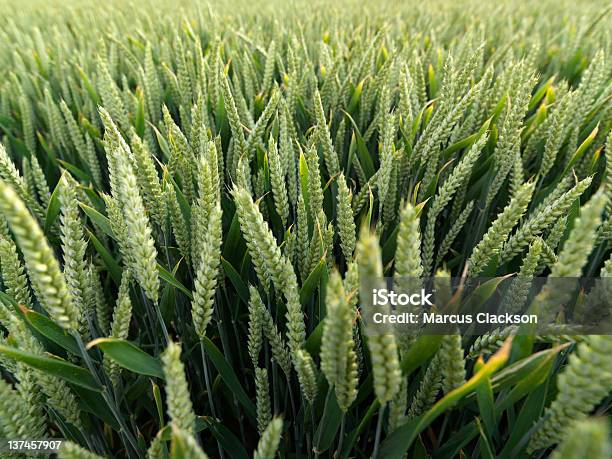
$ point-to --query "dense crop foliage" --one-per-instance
(190, 194)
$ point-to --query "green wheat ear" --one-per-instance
(582, 239)
(314, 182)
(329, 153)
(148, 179)
(184, 444)
(269, 264)
(262, 390)
(157, 448)
(408, 253)
(430, 386)
(338, 358)
(573, 257)
(270, 439)
(540, 219)
(513, 301)
(277, 179)
(74, 247)
(48, 281)
(207, 273)
(255, 338)
(180, 408)
(138, 241)
(180, 227)
(15, 418)
(120, 328)
(306, 370)
(585, 438)
(459, 175)
(10, 174)
(383, 346)
(13, 274)
(584, 382)
(59, 396)
(42, 186)
(397, 407)
(261, 321)
(200, 211)
(452, 364)
(492, 242)
(103, 311)
(345, 220)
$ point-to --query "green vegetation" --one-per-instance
(190, 193)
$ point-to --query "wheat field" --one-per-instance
(193, 195)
